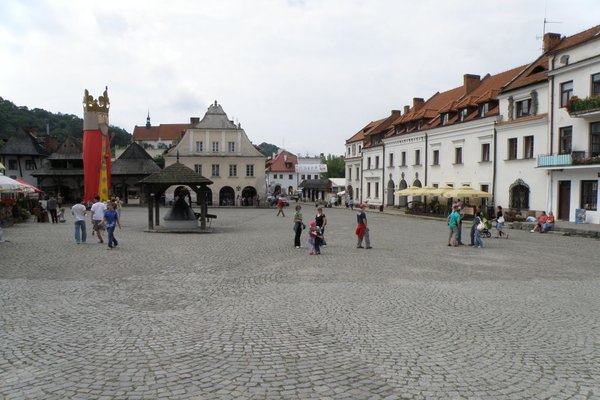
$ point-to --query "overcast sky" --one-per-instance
(301, 74)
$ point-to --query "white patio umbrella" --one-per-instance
(467, 191)
(10, 185)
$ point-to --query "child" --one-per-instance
(111, 220)
(314, 238)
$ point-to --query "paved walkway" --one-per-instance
(241, 314)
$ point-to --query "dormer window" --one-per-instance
(463, 114)
(484, 109)
(445, 117)
(523, 108)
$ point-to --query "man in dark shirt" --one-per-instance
(362, 230)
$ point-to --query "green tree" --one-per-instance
(268, 149)
(335, 166)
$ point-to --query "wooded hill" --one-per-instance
(61, 126)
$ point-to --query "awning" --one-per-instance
(29, 185)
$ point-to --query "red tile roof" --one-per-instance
(577, 39)
(162, 132)
(360, 135)
(284, 161)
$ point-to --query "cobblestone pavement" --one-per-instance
(242, 314)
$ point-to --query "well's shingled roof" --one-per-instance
(176, 174)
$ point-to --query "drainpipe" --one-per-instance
(383, 186)
(552, 109)
(426, 140)
(362, 158)
(494, 164)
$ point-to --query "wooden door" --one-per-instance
(564, 200)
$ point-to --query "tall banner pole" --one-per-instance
(96, 146)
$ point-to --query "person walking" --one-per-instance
(479, 226)
(453, 221)
(362, 228)
(98, 209)
(473, 227)
(321, 221)
(52, 207)
(111, 221)
(298, 226)
(280, 207)
(79, 211)
(500, 223)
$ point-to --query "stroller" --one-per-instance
(485, 233)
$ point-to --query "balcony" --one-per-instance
(584, 108)
(573, 159)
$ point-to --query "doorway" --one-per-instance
(564, 200)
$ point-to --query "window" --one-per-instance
(215, 147)
(445, 117)
(463, 114)
(199, 147)
(357, 173)
(589, 195)
(376, 162)
(290, 177)
(368, 162)
(250, 170)
(512, 149)
(391, 156)
(417, 157)
(359, 148)
(29, 165)
(523, 108)
(483, 109)
(564, 139)
(458, 155)
(12, 165)
(198, 168)
(232, 170)
(528, 147)
(368, 190)
(436, 157)
(566, 92)
(303, 177)
(348, 151)
(595, 139)
(349, 173)
(231, 147)
(403, 159)
(376, 190)
(595, 85)
(519, 197)
(215, 169)
(485, 152)
(280, 176)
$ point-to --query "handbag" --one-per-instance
(480, 226)
(501, 220)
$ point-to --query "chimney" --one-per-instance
(396, 113)
(471, 82)
(550, 41)
(194, 120)
(406, 109)
(418, 103)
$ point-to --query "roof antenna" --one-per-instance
(545, 23)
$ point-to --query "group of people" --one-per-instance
(103, 216)
(316, 236)
(480, 225)
(544, 223)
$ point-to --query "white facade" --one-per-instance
(372, 176)
(575, 136)
(408, 158)
(520, 141)
(220, 150)
(353, 171)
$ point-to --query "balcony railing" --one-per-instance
(564, 160)
(584, 107)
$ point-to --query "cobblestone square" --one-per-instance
(241, 314)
